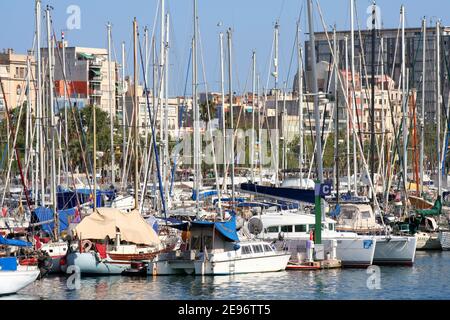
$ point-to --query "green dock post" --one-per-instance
(318, 211)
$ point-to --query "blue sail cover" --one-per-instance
(14, 242)
(46, 214)
(204, 194)
(300, 195)
(226, 228)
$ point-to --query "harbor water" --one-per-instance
(426, 279)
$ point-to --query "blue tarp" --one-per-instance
(300, 195)
(226, 228)
(46, 214)
(14, 243)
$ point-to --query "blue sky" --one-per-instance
(252, 22)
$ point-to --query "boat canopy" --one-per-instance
(226, 228)
(203, 194)
(14, 242)
(105, 221)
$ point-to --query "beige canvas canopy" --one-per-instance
(104, 221)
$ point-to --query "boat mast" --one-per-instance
(230, 87)
(405, 103)
(372, 111)
(438, 105)
(197, 157)
(224, 130)
(347, 79)
(275, 75)
(252, 142)
(136, 117)
(39, 113)
(422, 118)
(166, 112)
(124, 113)
(111, 113)
(300, 104)
(161, 93)
(66, 118)
(352, 61)
(336, 101)
(51, 69)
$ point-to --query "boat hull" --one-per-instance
(395, 250)
(444, 239)
(89, 264)
(217, 265)
(13, 281)
(426, 241)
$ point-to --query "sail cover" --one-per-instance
(300, 195)
(105, 221)
(14, 242)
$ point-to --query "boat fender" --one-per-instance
(86, 245)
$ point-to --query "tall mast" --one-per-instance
(197, 157)
(422, 117)
(136, 118)
(336, 107)
(40, 169)
(300, 104)
(111, 112)
(275, 75)
(161, 89)
(405, 102)
(230, 88)
(352, 61)
(224, 130)
(438, 104)
(66, 118)
(146, 117)
(252, 142)
(124, 113)
(28, 114)
(347, 79)
(372, 111)
(166, 111)
(51, 69)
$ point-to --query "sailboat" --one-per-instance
(14, 276)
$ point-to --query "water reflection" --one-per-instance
(427, 279)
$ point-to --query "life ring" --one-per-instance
(86, 245)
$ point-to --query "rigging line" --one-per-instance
(153, 136)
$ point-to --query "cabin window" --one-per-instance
(272, 229)
(258, 248)
(300, 228)
(331, 226)
(311, 227)
(267, 248)
(365, 215)
(286, 228)
(246, 250)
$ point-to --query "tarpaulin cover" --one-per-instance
(284, 193)
(46, 214)
(226, 228)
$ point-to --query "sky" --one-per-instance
(252, 23)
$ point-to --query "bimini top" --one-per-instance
(14, 242)
(226, 228)
(105, 221)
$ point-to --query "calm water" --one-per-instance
(429, 278)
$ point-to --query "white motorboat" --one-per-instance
(360, 218)
(214, 248)
(291, 227)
